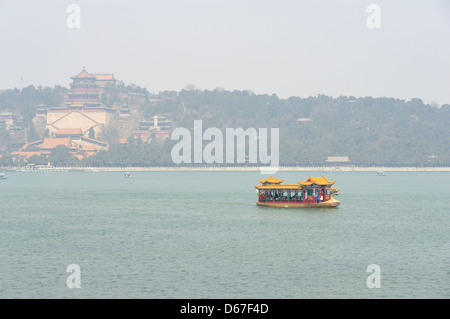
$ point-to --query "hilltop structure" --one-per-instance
(83, 109)
(78, 122)
(104, 80)
(13, 126)
(74, 139)
(82, 121)
(160, 128)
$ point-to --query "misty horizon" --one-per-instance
(285, 48)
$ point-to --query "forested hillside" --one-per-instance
(370, 131)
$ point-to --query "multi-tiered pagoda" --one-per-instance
(83, 91)
(82, 109)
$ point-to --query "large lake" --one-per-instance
(200, 235)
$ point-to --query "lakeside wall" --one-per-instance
(322, 169)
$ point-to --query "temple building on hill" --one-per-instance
(83, 91)
(72, 138)
(82, 110)
(7, 119)
(13, 126)
(85, 119)
(124, 111)
(76, 124)
(159, 127)
(104, 80)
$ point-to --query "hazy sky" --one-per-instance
(294, 47)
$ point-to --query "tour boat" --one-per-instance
(380, 173)
(314, 192)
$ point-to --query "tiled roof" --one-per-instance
(104, 77)
(52, 142)
(83, 74)
(90, 148)
(93, 141)
(317, 180)
(26, 154)
(69, 131)
(271, 180)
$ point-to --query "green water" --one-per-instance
(200, 235)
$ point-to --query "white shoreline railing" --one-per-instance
(323, 169)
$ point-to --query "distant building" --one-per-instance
(161, 123)
(72, 138)
(14, 127)
(69, 132)
(104, 80)
(124, 111)
(7, 119)
(338, 160)
(160, 127)
(144, 125)
(41, 110)
(304, 120)
(145, 135)
(82, 110)
(83, 91)
(71, 124)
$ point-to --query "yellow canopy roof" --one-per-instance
(286, 186)
(317, 180)
(271, 180)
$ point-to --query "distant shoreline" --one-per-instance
(322, 169)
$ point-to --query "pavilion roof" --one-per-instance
(104, 77)
(317, 180)
(83, 74)
(285, 186)
(271, 180)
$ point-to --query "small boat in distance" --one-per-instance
(127, 175)
(380, 173)
(2, 176)
(314, 192)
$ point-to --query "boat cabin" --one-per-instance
(315, 191)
